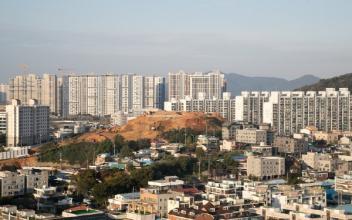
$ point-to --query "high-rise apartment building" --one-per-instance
(110, 93)
(27, 124)
(107, 94)
(288, 112)
(25, 87)
(154, 92)
(249, 106)
(225, 107)
(4, 90)
(182, 85)
(49, 96)
(44, 89)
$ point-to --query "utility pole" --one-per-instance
(60, 160)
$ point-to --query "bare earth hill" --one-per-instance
(152, 125)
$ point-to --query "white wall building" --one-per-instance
(182, 85)
(27, 124)
(225, 107)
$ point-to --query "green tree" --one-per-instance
(119, 142)
(200, 153)
(85, 181)
(126, 152)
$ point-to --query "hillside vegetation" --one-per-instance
(342, 81)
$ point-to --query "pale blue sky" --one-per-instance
(283, 38)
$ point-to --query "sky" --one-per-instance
(280, 38)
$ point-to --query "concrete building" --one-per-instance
(224, 189)
(249, 107)
(4, 93)
(289, 145)
(343, 184)
(154, 199)
(3, 122)
(265, 167)
(120, 202)
(225, 107)
(328, 110)
(35, 178)
(182, 85)
(48, 94)
(27, 124)
(12, 184)
(304, 212)
(251, 136)
(320, 161)
(110, 94)
(119, 118)
(25, 88)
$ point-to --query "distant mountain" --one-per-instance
(237, 83)
(342, 81)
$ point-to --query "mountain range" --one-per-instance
(237, 83)
(342, 81)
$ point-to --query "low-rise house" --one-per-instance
(320, 161)
(257, 192)
(224, 189)
(329, 137)
(305, 212)
(208, 143)
(209, 211)
(120, 202)
(227, 145)
(290, 145)
(51, 201)
(262, 150)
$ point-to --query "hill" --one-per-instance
(153, 125)
(237, 83)
(342, 81)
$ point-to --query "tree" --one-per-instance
(85, 181)
(119, 142)
(200, 153)
(126, 152)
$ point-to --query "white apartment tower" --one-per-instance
(49, 96)
(249, 106)
(25, 87)
(110, 94)
(4, 93)
(100, 95)
(154, 92)
(225, 106)
(27, 124)
(182, 85)
(328, 110)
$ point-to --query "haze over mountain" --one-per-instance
(237, 83)
(342, 81)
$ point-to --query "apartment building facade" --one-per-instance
(251, 136)
(182, 85)
(27, 124)
(265, 167)
(225, 106)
